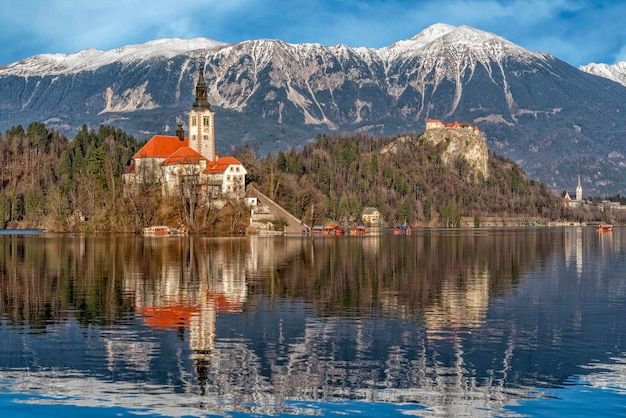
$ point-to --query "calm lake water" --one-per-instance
(440, 323)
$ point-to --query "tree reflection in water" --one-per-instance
(258, 321)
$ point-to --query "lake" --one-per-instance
(477, 323)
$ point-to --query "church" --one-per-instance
(188, 164)
(567, 200)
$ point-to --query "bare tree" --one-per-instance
(190, 192)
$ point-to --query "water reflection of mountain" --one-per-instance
(454, 321)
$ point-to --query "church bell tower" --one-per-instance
(202, 122)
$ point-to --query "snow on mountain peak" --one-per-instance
(424, 37)
(615, 72)
(432, 44)
(91, 59)
(432, 39)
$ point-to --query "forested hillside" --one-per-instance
(404, 178)
(46, 177)
(48, 180)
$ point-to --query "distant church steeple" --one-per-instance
(202, 122)
(579, 191)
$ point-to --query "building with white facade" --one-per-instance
(180, 164)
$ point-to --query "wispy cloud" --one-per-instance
(576, 31)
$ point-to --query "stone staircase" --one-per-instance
(267, 210)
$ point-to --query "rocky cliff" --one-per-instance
(461, 142)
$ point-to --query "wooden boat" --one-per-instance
(358, 230)
(605, 228)
(328, 230)
(317, 230)
(402, 230)
(337, 230)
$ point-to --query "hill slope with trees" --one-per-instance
(48, 181)
(404, 177)
(46, 177)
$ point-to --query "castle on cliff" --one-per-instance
(437, 124)
(462, 141)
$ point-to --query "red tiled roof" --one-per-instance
(184, 155)
(161, 146)
(220, 165)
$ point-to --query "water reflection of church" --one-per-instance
(186, 288)
(192, 282)
(208, 278)
(457, 320)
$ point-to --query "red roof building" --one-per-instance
(168, 160)
(184, 155)
(161, 146)
(436, 124)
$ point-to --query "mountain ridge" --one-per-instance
(91, 58)
(555, 120)
(615, 72)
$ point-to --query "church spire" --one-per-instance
(201, 95)
(579, 191)
(202, 122)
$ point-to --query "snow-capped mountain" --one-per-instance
(555, 120)
(92, 59)
(615, 72)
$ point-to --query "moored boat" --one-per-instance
(328, 230)
(402, 230)
(317, 230)
(157, 230)
(358, 230)
(605, 228)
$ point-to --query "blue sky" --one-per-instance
(576, 31)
